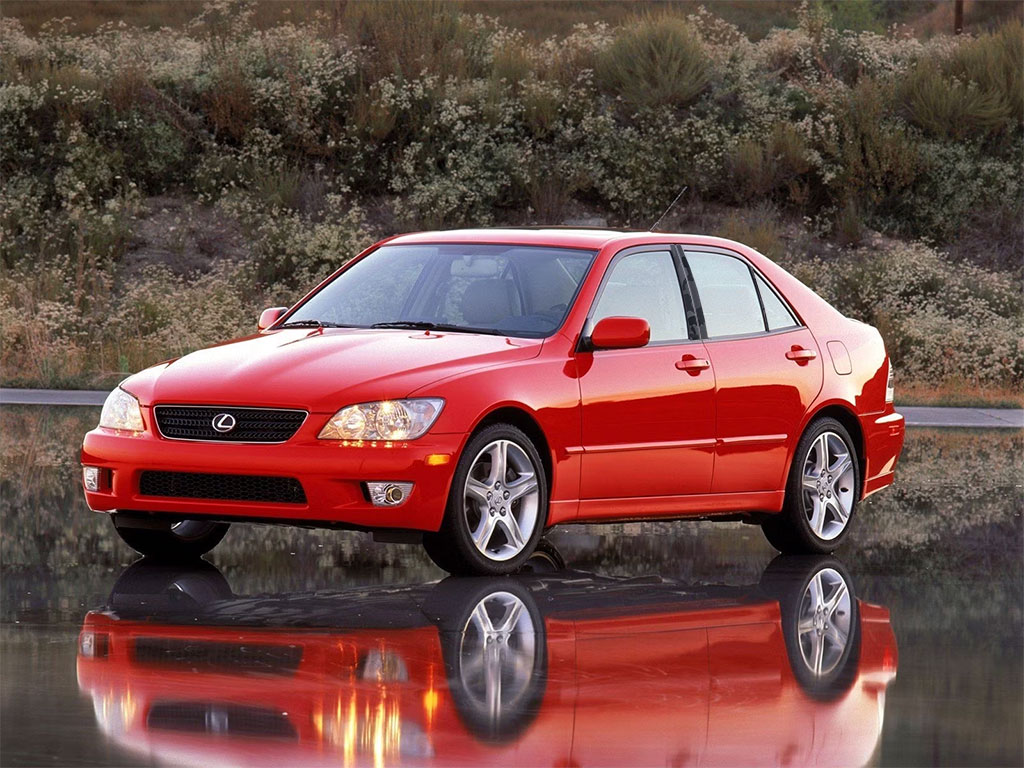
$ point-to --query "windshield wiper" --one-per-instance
(426, 325)
(312, 324)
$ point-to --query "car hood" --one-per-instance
(322, 370)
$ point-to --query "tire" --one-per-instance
(823, 647)
(178, 541)
(483, 502)
(820, 499)
(494, 645)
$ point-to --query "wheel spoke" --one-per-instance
(524, 485)
(477, 489)
(843, 465)
(510, 618)
(837, 636)
(815, 588)
(482, 620)
(819, 654)
(833, 602)
(810, 483)
(494, 687)
(484, 531)
(817, 520)
(499, 462)
(821, 454)
(510, 526)
(838, 512)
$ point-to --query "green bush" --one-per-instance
(655, 61)
(977, 93)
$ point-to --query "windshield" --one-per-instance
(512, 290)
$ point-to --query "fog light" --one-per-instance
(388, 494)
(95, 478)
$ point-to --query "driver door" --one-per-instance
(648, 413)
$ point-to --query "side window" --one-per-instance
(645, 285)
(727, 294)
(775, 312)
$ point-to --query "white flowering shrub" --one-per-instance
(942, 321)
(311, 139)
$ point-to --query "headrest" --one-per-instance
(487, 301)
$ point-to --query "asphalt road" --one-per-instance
(916, 416)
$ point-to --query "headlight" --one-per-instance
(384, 420)
(890, 389)
(121, 411)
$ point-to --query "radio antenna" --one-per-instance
(670, 207)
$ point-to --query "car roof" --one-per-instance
(564, 237)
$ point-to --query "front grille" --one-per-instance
(221, 719)
(193, 485)
(251, 425)
(211, 656)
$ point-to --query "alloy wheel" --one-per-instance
(827, 486)
(501, 500)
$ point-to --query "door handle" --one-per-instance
(692, 365)
(800, 355)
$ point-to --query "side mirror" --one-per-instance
(270, 316)
(620, 333)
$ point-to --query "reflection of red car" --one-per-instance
(545, 669)
(475, 388)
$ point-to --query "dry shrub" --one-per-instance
(655, 61)
(407, 37)
(777, 168)
(758, 227)
(878, 159)
(229, 102)
(126, 88)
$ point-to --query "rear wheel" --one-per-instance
(821, 495)
(497, 506)
(180, 540)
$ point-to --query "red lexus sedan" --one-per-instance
(471, 389)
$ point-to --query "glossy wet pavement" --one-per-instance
(653, 644)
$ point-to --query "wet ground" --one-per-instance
(652, 644)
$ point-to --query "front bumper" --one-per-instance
(331, 475)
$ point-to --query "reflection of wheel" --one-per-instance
(181, 540)
(153, 585)
(820, 621)
(821, 493)
(497, 507)
(495, 652)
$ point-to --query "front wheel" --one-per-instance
(180, 540)
(497, 506)
(821, 494)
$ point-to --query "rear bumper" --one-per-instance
(883, 443)
(331, 476)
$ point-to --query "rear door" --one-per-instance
(767, 369)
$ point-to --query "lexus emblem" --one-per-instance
(223, 422)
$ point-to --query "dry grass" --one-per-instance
(538, 18)
(960, 395)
